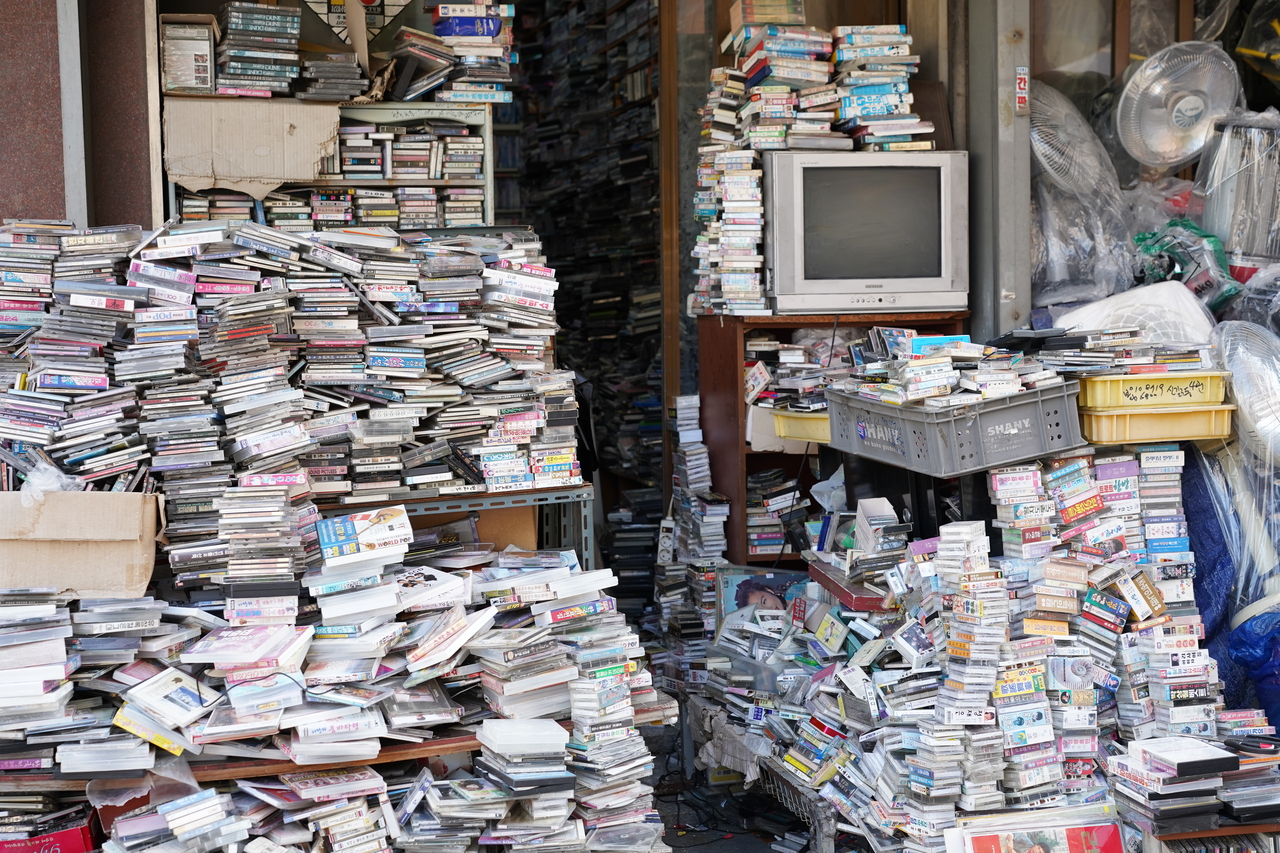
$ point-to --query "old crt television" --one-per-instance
(852, 232)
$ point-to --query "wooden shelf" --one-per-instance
(785, 557)
(638, 102)
(652, 22)
(721, 351)
(466, 503)
(631, 478)
(617, 78)
(1223, 832)
(389, 182)
(664, 711)
(852, 595)
(798, 321)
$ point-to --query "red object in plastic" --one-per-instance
(77, 839)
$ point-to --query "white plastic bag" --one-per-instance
(1167, 311)
(45, 478)
(830, 492)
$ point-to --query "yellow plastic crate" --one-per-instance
(1139, 390)
(803, 426)
(1178, 423)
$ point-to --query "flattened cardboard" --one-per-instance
(100, 544)
(245, 144)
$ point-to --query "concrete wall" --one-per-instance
(113, 57)
(113, 36)
(31, 175)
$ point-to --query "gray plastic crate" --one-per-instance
(952, 442)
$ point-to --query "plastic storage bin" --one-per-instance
(1132, 391)
(803, 426)
(1179, 423)
(952, 442)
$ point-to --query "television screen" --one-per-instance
(881, 222)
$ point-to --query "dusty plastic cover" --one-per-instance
(244, 144)
(102, 545)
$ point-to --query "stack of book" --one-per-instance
(330, 77)
(901, 366)
(1168, 784)
(34, 679)
(732, 216)
(258, 51)
(1123, 349)
(527, 759)
(376, 209)
(699, 525)
(774, 503)
(27, 251)
(745, 12)
(419, 206)
(481, 39)
(523, 669)
(874, 64)
(204, 820)
(699, 515)
(331, 208)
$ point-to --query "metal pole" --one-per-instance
(1000, 166)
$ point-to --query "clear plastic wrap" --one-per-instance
(830, 493)
(1259, 40)
(1169, 106)
(45, 478)
(1239, 178)
(1151, 26)
(1252, 354)
(1260, 301)
(1083, 220)
(1166, 310)
(1211, 17)
(1183, 252)
(170, 779)
(1241, 478)
(825, 342)
(1086, 251)
(1216, 540)
(1153, 203)
(1102, 118)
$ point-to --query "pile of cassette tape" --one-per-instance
(1068, 671)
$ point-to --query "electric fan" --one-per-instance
(1238, 177)
(1252, 354)
(1169, 105)
(1065, 147)
(1083, 225)
(1167, 312)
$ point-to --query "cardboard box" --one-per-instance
(245, 144)
(100, 544)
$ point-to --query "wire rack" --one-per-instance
(818, 814)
